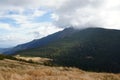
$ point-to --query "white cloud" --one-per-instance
(13, 4)
(65, 13)
(23, 34)
(4, 26)
(87, 13)
(24, 29)
(55, 17)
(38, 13)
(20, 19)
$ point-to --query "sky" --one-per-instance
(22, 21)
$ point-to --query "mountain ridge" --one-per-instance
(95, 49)
(40, 42)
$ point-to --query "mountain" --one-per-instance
(94, 49)
(41, 42)
(2, 50)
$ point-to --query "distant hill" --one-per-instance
(93, 49)
(2, 50)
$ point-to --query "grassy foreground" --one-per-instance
(18, 70)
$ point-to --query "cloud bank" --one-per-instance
(24, 20)
(89, 13)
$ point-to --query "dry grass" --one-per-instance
(15, 70)
(34, 59)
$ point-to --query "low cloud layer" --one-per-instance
(89, 13)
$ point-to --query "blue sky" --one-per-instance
(22, 21)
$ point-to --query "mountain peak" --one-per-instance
(89, 49)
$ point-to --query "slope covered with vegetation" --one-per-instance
(93, 49)
(18, 70)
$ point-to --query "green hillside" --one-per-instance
(93, 49)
